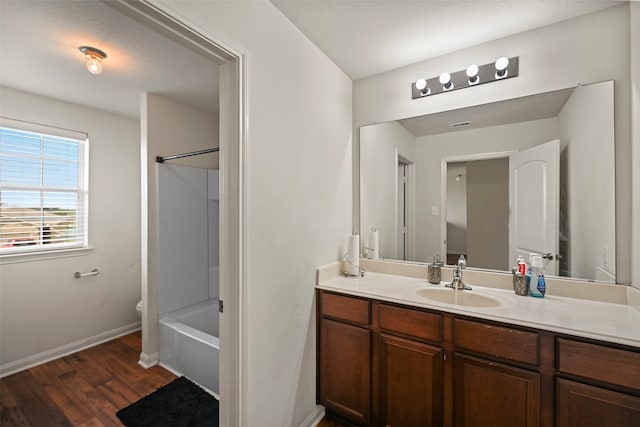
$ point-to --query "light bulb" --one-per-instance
(94, 58)
(501, 67)
(472, 74)
(94, 65)
(421, 85)
(445, 80)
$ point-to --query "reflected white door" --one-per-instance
(534, 183)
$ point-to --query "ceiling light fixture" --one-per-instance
(503, 68)
(94, 58)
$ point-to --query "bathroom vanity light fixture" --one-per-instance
(502, 68)
(94, 58)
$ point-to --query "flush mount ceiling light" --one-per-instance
(94, 58)
(503, 68)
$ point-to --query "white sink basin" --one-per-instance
(457, 297)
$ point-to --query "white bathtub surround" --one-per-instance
(190, 343)
(591, 310)
(183, 246)
(189, 286)
(213, 225)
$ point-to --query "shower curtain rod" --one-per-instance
(160, 159)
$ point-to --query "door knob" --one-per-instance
(548, 256)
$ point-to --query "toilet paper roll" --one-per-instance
(373, 244)
(353, 254)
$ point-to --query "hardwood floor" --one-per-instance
(330, 423)
(83, 389)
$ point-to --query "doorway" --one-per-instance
(405, 200)
(475, 218)
(232, 148)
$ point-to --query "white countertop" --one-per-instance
(618, 323)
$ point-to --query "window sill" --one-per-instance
(44, 255)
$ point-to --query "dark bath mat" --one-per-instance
(180, 403)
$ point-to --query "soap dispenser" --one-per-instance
(537, 288)
(434, 270)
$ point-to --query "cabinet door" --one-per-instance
(345, 370)
(410, 383)
(490, 394)
(582, 405)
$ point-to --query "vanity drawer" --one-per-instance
(346, 308)
(414, 323)
(600, 363)
(498, 341)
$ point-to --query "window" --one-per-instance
(43, 188)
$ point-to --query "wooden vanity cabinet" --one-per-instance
(410, 367)
(383, 364)
(596, 385)
(497, 382)
(344, 356)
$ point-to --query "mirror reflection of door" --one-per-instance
(404, 200)
(535, 185)
(478, 213)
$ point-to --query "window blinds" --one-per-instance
(43, 188)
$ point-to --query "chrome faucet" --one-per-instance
(457, 282)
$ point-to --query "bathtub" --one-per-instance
(190, 343)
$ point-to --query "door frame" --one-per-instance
(409, 204)
(443, 188)
(170, 20)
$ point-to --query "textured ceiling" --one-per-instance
(39, 42)
(368, 37)
(39, 53)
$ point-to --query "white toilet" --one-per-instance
(139, 308)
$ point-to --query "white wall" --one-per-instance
(298, 198)
(44, 309)
(585, 127)
(635, 109)
(587, 49)
(430, 150)
(384, 142)
(167, 128)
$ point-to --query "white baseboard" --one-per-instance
(149, 360)
(314, 418)
(65, 350)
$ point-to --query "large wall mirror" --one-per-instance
(529, 175)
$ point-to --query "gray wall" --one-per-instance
(488, 214)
